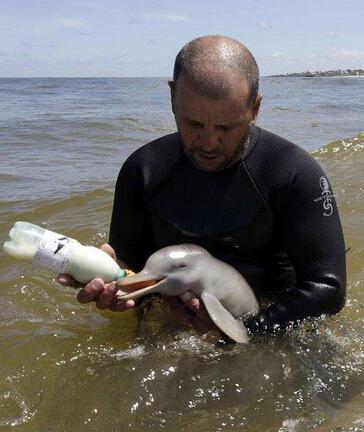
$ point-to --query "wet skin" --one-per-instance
(213, 131)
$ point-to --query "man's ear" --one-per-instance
(256, 107)
(173, 93)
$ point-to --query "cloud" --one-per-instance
(30, 45)
(127, 20)
(87, 4)
(75, 24)
(347, 54)
(133, 20)
(341, 54)
(7, 30)
(168, 17)
(343, 58)
(331, 34)
(123, 57)
(263, 24)
(85, 32)
(284, 57)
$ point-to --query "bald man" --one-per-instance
(251, 198)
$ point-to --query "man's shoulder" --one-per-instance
(161, 149)
(277, 164)
(275, 150)
(275, 143)
(153, 161)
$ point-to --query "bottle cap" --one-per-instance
(121, 273)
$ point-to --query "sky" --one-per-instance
(122, 38)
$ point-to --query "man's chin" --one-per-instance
(209, 164)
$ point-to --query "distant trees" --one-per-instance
(338, 72)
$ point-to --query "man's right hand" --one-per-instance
(103, 294)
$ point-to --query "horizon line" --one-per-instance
(103, 76)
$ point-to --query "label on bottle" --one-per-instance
(54, 252)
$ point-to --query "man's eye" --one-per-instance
(196, 124)
(224, 128)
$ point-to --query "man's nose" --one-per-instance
(209, 139)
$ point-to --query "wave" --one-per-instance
(341, 148)
(117, 125)
(5, 177)
(129, 119)
(47, 86)
(282, 108)
(80, 215)
(100, 125)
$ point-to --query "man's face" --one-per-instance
(213, 131)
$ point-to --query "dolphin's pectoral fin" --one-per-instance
(223, 319)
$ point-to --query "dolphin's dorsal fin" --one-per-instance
(223, 319)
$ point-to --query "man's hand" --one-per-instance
(103, 294)
(190, 310)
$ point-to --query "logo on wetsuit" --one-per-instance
(326, 197)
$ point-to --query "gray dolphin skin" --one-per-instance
(174, 270)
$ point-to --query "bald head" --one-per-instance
(212, 63)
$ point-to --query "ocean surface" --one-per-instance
(65, 366)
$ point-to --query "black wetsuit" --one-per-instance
(271, 215)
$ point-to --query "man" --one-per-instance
(251, 198)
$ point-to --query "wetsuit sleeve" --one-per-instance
(310, 227)
(130, 230)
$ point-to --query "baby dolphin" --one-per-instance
(174, 270)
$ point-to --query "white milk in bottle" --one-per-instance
(60, 253)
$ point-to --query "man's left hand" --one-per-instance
(190, 310)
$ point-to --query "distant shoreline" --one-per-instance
(350, 73)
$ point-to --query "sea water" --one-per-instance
(67, 366)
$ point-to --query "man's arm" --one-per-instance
(311, 229)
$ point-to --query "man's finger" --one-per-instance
(109, 250)
(68, 281)
(195, 304)
(107, 297)
(191, 301)
(91, 291)
(180, 310)
(121, 306)
(187, 315)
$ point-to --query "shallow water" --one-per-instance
(67, 366)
